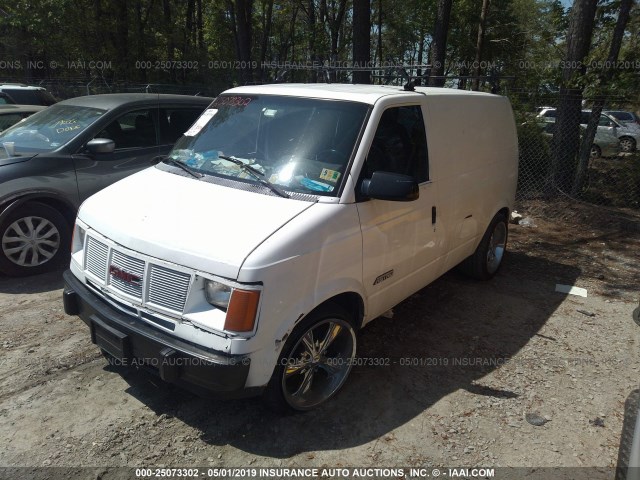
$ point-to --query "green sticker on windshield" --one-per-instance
(329, 175)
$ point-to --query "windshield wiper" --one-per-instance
(184, 167)
(258, 175)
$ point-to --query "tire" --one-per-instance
(307, 373)
(627, 457)
(627, 144)
(487, 259)
(595, 151)
(34, 239)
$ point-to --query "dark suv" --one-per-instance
(53, 160)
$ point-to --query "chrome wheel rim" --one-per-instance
(626, 145)
(497, 244)
(318, 364)
(595, 152)
(30, 241)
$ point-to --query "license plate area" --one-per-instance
(112, 341)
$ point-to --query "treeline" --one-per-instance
(474, 44)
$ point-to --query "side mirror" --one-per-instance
(390, 186)
(101, 145)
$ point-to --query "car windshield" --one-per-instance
(50, 129)
(303, 145)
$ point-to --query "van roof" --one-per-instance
(340, 91)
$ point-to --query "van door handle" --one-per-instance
(433, 215)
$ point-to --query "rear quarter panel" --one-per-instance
(473, 154)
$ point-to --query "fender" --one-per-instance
(16, 199)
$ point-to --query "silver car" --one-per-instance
(628, 134)
(605, 144)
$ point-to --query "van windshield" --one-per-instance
(300, 144)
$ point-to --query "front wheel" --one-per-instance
(315, 361)
(487, 259)
(34, 239)
(627, 144)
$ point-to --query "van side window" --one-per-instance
(400, 144)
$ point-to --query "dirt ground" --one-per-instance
(482, 357)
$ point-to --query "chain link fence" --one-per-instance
(554, 178)
(560, 170)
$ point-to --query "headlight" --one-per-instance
(77, 238)
(241, 305)
(217, 294)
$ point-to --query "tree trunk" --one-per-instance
(267, 21)
(566, 139)
(379, 55)
(188, 37)
(200, 26)
(121, 42)
(596, 110)
(439, 44)
(362, 39)
(479, 44)
(334, 28)
(241, 14)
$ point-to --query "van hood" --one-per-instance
(186, 221)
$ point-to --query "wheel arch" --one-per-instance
(53, 200)
(352, 302)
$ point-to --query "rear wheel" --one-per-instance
(595, 152)
(33, 239)
(315, 361)
(487, 259)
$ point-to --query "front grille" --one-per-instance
(165, 287)
(95, 260)
(131, 265)
(168, 288)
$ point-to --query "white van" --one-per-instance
(283, 221)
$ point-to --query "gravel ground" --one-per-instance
(503, 373)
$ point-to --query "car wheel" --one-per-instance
(627, 144)
(34, 239)
(315, 361)
(487, 259)
(595, 152)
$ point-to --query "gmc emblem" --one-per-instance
(125, 276)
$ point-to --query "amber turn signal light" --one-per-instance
(242, 311)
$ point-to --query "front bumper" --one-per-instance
(133, 342)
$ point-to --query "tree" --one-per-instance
(439, 44)
(566, 139)
(605, 77)
(481, 28)
(361, 39)
(241, 13)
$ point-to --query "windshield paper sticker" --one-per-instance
(329, 175)
(315, 185)
(201, 122)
